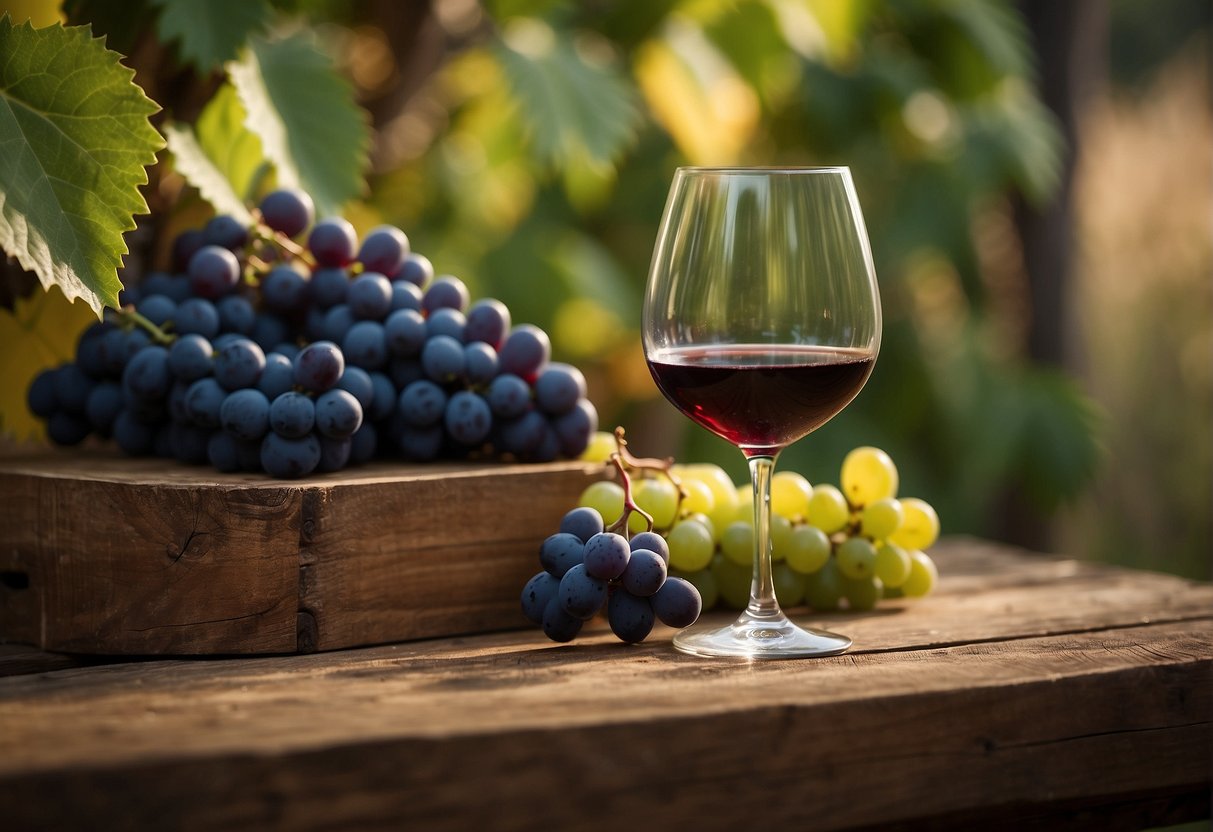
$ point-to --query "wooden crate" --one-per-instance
(105, 554)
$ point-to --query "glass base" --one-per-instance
(760, 637)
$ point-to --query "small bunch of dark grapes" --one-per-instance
(262, 354)
(587, 567)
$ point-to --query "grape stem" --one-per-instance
(128, 318)
(280, 241)
(624, 460)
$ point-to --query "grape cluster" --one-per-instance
(830, 547)
(587, 567)
(262, 354)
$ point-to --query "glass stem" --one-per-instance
(763, 603)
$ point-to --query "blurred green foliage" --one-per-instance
(527, 146)
(560, 131)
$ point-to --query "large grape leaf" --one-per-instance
(576, 110)
(305, 115)
(219, 156)
(74, 141)
(211, 33)
(38, 333)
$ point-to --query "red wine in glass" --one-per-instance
(761, 398)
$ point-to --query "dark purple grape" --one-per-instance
(245, 414)
(236, 314)
(363, 444)
(213, 271)
(383, 400)
(288, 211)
(509, 396)
(329, 287)
(72, 386)
(468, 418)
(560, 552)
(442, 359)
(334, 454)
(67, 429)
(651, 541)
(606, 553)
(185, 246)
(480, 361)
(445, 321)
(584, 522)
(203, 401)
(525, 351)
(421, 404)
(268, 331)
(197, 316)
(365, 345)
(416, 269)
(318, 366)
(404, 371)
(631, 618)
(332, 242)
(41, 396)
(147, 375)
(222, 451)
(337, 322)
(103, 406)
(338, 414)
(420, 444)
(89, 358)
(290, 458)
(292, 415)
(645, 574)
(132, 435)
(357, 382)
(523, 435)
(581, 594)
(159, 309)
(278, 377)
(405, 295)
(405, 333)
(447, 292)
(539, 590)
(284, 289)
(558, 388)
(370, 296)
(239, 364)
(488, 320)
(575, 428)
(227, 231)
(191, 357)
(383, 250)
(677, 603)
(557, 624)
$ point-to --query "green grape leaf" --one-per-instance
(575, 111)
(40, 332)
(211, 33)
(305, 115)
(74, 141)
(219, 156)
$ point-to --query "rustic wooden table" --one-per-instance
(1027, 692)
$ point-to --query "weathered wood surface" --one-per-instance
(1029, 690)
(105, 554)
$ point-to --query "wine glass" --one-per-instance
(761, 322)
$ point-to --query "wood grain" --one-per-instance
(1047, 687)
(103, 554)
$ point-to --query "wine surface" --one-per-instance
(761, 398)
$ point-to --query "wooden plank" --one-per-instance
(508, 732)
(104, 554)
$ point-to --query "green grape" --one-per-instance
(856, 558)
(892, 565)
(744, 513)
(705, 581)
(923, 576)
(790, 493)
(601, 446)
(823, 589)
(732, 581)
(781, 537)
(606, 497)
(862, 594)
(828, 509)
(868, 475)
(657, 496)
(707, 524)
(919, 525)
(809, 549)
(880, 519)
(713, 476)
(789, 585)
(737, 543)
(691, 546)
(698, 498)
(724, 513)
